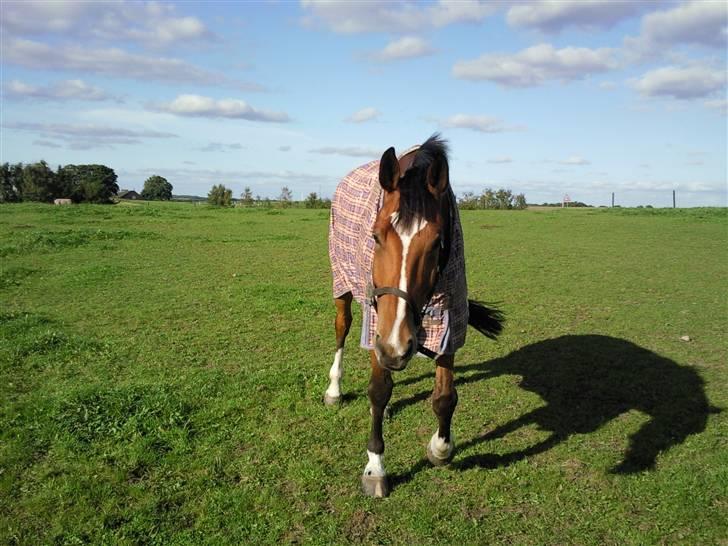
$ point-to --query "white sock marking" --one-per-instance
(335, 374)
(439, 447)
(375, 466)
(406, 237)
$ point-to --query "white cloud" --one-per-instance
(112, 62)
(206, 107)
(351, 151)
(61, 90)
(221, 147)
(365, 114)
(347, 17)
(721, 105)
(497, 160)
(703, 23)
(688, 82)
(536, 65)
(83, 137)
(482, 124)
(407, 47)
(152, 24)
(575, 160)
(555, 16)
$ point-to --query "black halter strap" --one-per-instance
(373, 293)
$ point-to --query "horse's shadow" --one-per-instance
(585, 382)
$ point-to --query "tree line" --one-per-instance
(489, 198)
(221, 196)
(38, 182)
(79, 183)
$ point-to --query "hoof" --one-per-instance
(435, 460)
(331, 400)
(375, 486)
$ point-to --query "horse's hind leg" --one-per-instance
(343, 323)
(441, 448)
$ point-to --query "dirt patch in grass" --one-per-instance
(360, 526)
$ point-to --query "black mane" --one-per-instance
(415, 200)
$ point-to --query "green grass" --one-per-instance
(162, 368)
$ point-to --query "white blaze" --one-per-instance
(406, 236)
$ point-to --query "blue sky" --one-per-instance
(546, 98)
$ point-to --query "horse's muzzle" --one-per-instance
(393, 363)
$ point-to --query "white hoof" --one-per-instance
(331, 400)
(375, 486)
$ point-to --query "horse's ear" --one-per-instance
(389, 170)
(438, 177)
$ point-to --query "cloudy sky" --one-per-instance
(545, 98)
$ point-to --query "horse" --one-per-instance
(395, 244)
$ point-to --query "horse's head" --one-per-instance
(409, 235)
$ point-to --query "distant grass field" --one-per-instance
(162, 368)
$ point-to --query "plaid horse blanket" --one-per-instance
(354, 209)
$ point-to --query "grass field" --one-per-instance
(162, 368)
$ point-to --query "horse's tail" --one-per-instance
(486, 320)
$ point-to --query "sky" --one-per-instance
(578, 98)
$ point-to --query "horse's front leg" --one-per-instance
(374, 480)
(441, 448)
(332, 396)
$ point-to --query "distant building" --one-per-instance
(128, 194)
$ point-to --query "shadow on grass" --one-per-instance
(585, 382)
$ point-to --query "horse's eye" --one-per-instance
(376, 238)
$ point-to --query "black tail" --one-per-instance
(486, 320)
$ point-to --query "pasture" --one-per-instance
(162, 368)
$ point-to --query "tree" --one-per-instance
(504, 198)
(468, 201)
(38, 183)
(156, 188)
(519, 202)
(247, 197)
(312, 201)
(220, 196)
(10, 182)
(286, 197)
(88, 183)
(488, 199)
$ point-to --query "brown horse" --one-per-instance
(395, 243)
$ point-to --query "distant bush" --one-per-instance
(570, 204)
(157, 188)
(220, 196)
(286, 197)
(313, 201)
(246, 198)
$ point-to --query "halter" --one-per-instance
(373, 293)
